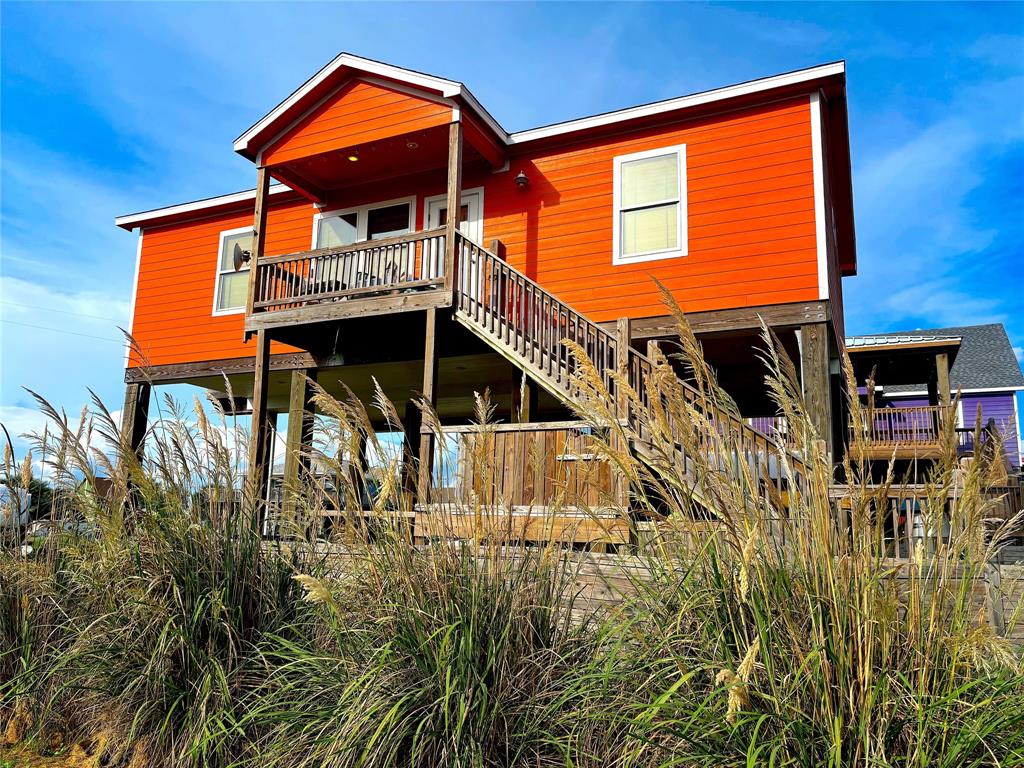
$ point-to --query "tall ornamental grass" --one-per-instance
(161, 627)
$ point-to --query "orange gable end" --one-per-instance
(357, 113)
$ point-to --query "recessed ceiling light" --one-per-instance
(411, 145)
(354, 156)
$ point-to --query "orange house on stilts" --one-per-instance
(344, 265)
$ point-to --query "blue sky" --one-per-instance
(115, 108)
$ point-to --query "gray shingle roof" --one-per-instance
(985, 359)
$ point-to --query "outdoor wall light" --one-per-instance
(522, 181)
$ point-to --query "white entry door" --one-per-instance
(471, 224)
(471, 220)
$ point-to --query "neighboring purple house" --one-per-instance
(984, 371)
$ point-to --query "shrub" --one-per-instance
(161, 626)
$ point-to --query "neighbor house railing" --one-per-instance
(409, 262)
(911, 427)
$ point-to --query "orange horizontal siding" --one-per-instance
(173, 320)
(751, 230)
(751, 222)
(358, 113)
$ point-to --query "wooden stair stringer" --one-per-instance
(516, 359)
(516, 290)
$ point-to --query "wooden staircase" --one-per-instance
(527, 325)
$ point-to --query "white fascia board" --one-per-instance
(446, 88)
(450, 88)
(683, 102)
(973, 391)
(132, 220)
(818, 165)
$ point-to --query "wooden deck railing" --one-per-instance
(525, 319)
(508, 466)
(402, 263)
(776, 427)
(906, 427)
(529, 323)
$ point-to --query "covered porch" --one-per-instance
(888, 429)
(373, 252)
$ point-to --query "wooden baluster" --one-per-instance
(532, 323)
(545, 319)
(520, 313)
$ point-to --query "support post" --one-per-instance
(411, 421)
(815, 378)
(498, 248)
(135, 415)
(426, 453)
(942, 378)
(454, 202)
(260, 440)
(623, 337)
(299, 436)
(259, 237)
(524, 399)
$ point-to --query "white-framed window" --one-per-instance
(375, 221)
(650, 205)
(232, 288)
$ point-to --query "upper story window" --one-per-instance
(650, 205)
(232, 287)
(369, 222)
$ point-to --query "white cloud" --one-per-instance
(60, 343)
(918, 227)
(20, 421)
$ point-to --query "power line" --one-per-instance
(61, 311)
(61, 330)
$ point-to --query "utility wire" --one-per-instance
(61, 330)
(61, 311)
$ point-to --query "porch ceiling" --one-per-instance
(893, 363)
(401, 155)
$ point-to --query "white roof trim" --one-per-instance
(447, 89)
(669, 105)
(450, 88)
(903, 340)
(968, 391)
(131, 220)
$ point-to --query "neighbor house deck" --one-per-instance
(902, 433)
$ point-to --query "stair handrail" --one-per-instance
(499, 297)
(477, 299)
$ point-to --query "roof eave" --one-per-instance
(678, 104)
(130, 221)
(439, 85)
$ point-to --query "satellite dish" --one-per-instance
(240, 257)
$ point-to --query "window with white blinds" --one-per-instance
(650, 205)
(232, 287)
